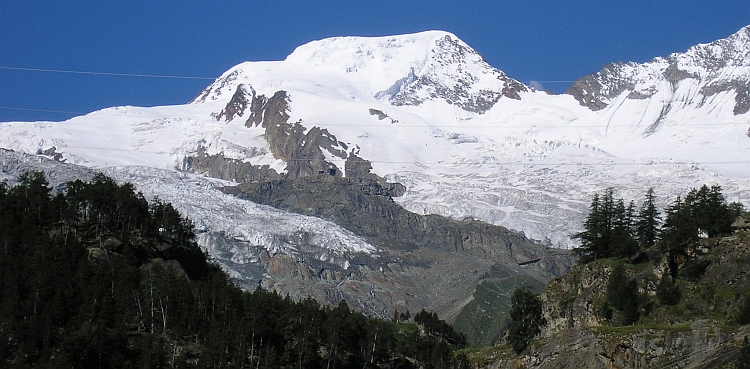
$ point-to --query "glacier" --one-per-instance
(465, 139)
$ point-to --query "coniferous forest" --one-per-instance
(613, 229)
(635, 236)
(96, 276)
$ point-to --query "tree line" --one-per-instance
(96, 276)
(613, 229)
(620, 230)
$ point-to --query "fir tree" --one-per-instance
(609, 229)
(702, 209)
(743, 358)
(666, 291)
(622, 294)
(741, 314)
(648, 221)
(525, 319)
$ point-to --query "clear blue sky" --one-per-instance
(529, 40)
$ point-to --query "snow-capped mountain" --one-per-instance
(355, 129)
(425, 110)
(693, 78)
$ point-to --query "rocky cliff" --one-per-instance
(699, 331)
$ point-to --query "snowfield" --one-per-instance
(454, 135)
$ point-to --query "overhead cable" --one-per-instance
(104, 73)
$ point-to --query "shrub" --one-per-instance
(741, 314)
(622, 294)
(666, 291)
(743, 358)
(693, 269)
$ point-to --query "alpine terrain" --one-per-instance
(404, 172)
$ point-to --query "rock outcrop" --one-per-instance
(464, 270)
(366, 208)
(698, 332)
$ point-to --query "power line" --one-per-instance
(176, 76)
(41, 110)
(490, 124)
(533, 80)
(104, 73)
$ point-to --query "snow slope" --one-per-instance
(465, 139)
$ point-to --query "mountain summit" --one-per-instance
(404, 70)
(392, 162)
(702, 75)
(426, 110)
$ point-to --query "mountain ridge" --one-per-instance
(540, 138)
(426, 119)
(713, 67)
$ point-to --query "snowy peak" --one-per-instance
(457, 74)
(690, 78)
(731, 52)
(374, 58)
(398, 70)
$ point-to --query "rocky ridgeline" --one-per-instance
(301, 148)
(423, 261)
(463, 270)
(453, 59)
(367, 209)
(698, 332)
(711, 67)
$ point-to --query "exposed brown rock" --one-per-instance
(236, 105)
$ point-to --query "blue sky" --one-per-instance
(529, 40)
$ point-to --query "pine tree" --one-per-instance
(592, 238)
(702, 209)
(741, 315)
(609, 229)
(666, 291)
(622, 294)
(648, 221)
(525, 319)
(743, 358)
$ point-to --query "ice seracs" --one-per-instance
(463, 137)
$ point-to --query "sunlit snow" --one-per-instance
(530, 164)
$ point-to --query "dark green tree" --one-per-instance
(743, 358)
(594, 242)
(648, 221)
(97, 277)
(622, 294)
(666, 291)
(741, 313)
(703, 209)
(608, 229)
(526, 319)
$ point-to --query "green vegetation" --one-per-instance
(484, 319)
(615, 230)
(666, 291)
(99, 277)
(743, 359)
(525, 319)
(482, 357)
(622, 294)
(742, 313)
(612, 230)
(702, 210)
(641, 327)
